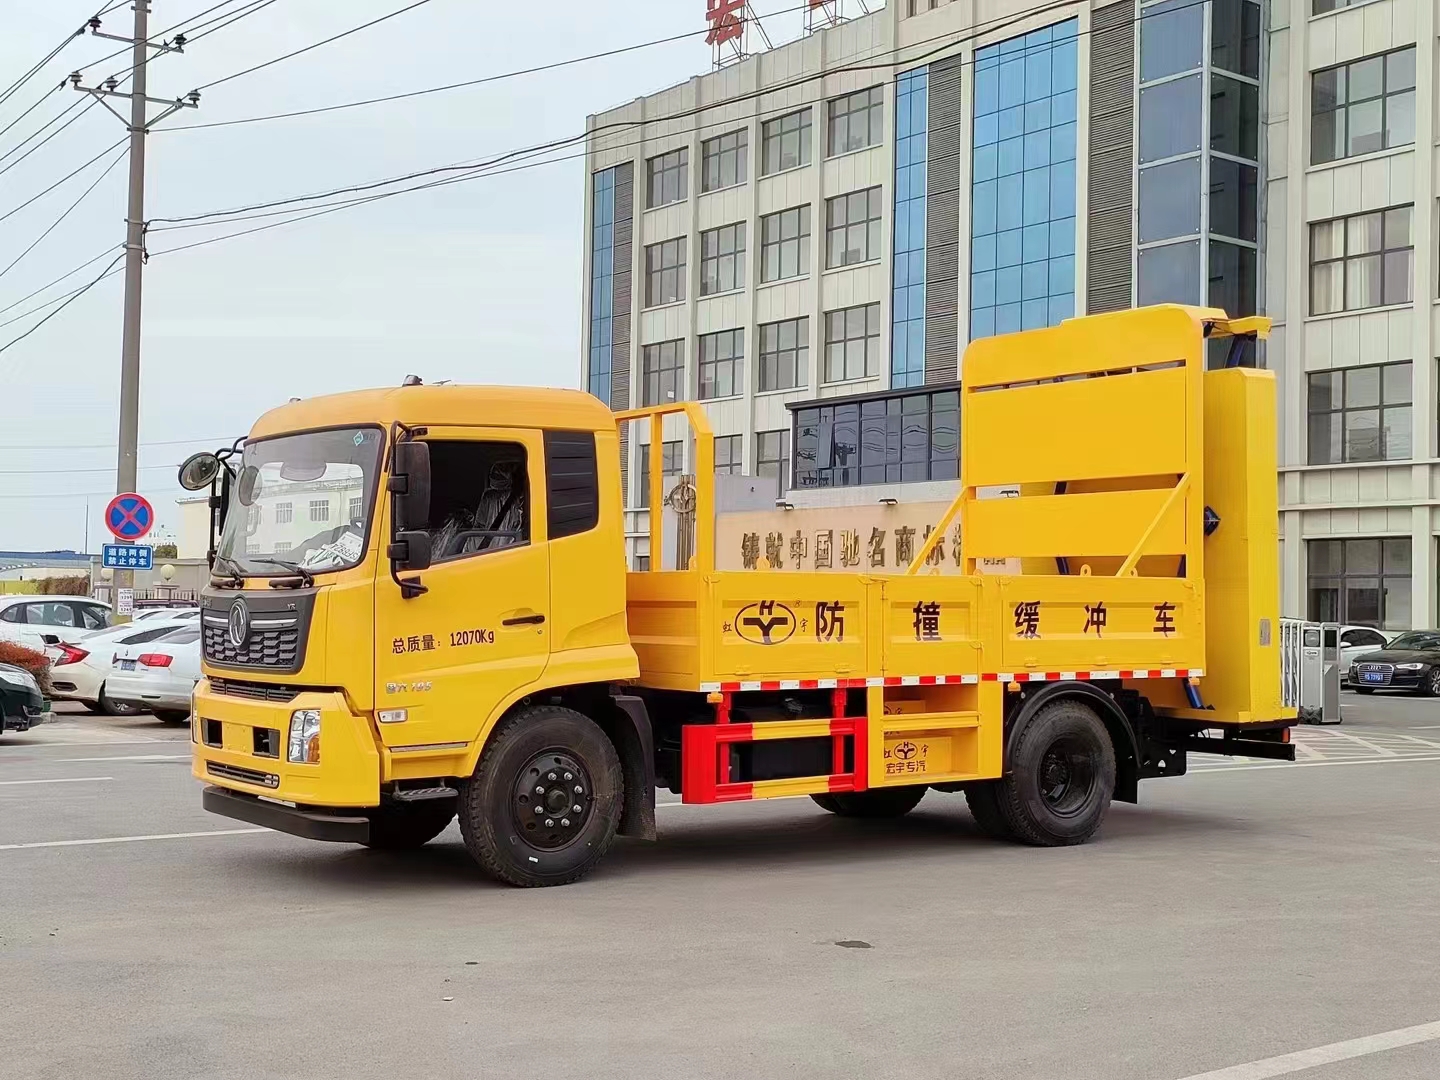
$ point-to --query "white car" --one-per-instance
(1356, 641)
(42, 621)
(79, 669)
(158, 676)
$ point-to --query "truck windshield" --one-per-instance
(302, 499)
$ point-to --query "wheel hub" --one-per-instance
(551, 799)
(1068, 776)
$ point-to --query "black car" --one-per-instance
(1410, 662)
(22, 705)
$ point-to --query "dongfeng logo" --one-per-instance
(239, 626)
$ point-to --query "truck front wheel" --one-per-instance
(545, 800)
(878, 803)
(402, 826)
(1060, 776)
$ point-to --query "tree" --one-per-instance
(166, 551)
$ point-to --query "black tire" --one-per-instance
(879, 803)
(556, 750)
(984, 802)
(1060, 777)
(1364, 690)
(403, 826)
(1430, 687)
(110, 707)
(93, 707)
(171, 716)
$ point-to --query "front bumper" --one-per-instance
(22, 710)
(1399, 680)
(231, 749)
(298, 821)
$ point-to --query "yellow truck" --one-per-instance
(419, 609)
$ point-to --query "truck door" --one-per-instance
(480, 632)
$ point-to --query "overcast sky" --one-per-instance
(476, 282)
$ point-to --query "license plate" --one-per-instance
(1372, 676)
(129, 665)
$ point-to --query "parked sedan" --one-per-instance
(1410, 662)
(80, 668)
(22, 705)
(1355, 641)
(158, 676)
(41, 621)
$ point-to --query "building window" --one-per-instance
(785, 244)
(722, 364)
(852, 228)
(1363, 582)
(856, 120)
(252, 547)
(353, 509)
(665, 272)
(662, 373)
(670, 464)
(319, 510)
(284, 513)
(852, 343)
(1322, 6)
(1363, 106)
(1023, 200)
(282, 547)
(772, 456)
(667, 178)
(729, 455)
(722, 259)
(907, 310)
(1235, 37)
(602, 282)
(1362, 261)
(785, 142)
(724, 160)
(1361, 414)
(784, 354)
(895, 438)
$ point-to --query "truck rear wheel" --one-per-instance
(878, 803)
(1060, 776)
(402, 826)
(545, 800)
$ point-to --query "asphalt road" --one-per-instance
(1240, 914)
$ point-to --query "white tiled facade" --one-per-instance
(1394, 499)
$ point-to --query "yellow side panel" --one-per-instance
(773, 624)
(1099, 523)
(1066, 430)
(1094, 623)
(931, 625)
(664, 613)
(1242, 556)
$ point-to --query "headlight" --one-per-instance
(304, 736)
(21, 678)
(1408, 667)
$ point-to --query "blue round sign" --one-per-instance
(129, 516)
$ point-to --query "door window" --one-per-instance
(479, 497)
(91, 617)
(51, 614)
(14, 613)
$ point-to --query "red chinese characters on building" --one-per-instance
(726, 19)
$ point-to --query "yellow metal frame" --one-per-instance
(704, 558)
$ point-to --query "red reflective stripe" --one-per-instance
(989, 676)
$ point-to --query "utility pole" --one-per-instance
(138, 125)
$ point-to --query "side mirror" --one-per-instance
(199, 471)
(410, 485)
(410, 550)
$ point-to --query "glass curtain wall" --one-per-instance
(602, 272)
(907, 332)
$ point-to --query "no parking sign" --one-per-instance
(129, 516)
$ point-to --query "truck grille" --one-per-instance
(265, 647)
(253, 691)
(244, 776)
(1385, 671)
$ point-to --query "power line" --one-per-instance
(316, 45)
(68, 273)
(233, 17)
(54, 119)
(68, 211)
(67, 472)
(72, 298)
(108, 446)
(462, 85)
(74, 172)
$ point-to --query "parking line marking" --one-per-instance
(160, 757)
(1425, 727)
(1285, 1064)
(1394, 759)
(1381, 750)
(62, 780)
(129, 839)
